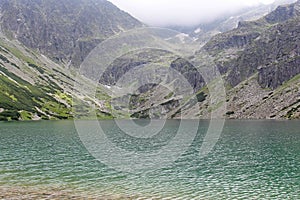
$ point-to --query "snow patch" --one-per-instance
(182, 37)
(198, 30)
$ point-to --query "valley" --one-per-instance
(41, 52)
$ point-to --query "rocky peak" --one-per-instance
(267, 46)
(283, 13)
(247, 31)
(64, 30)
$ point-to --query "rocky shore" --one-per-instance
(24, 193)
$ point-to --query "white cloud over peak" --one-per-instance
(182, 12)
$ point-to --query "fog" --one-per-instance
(182, 12)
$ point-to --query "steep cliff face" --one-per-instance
(275, 50)
(260, 63)
(285, 43)
(262, 46)
(283, 13)
(67, 30)
(248, 31)
(276, 75)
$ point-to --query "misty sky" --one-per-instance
(182, 12)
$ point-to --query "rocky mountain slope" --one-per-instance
(260, 62)
(39, 39)
(33, 87)
(66, 31)
(203, 32)
(257, 43)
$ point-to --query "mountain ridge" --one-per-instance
(66, 31)
(259, 61)
(261, 58)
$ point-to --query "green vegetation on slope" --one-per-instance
(20, 100)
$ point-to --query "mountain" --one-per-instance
(66, 31)
(33, 87)
(39, 39)
(42, 42)
(260, 63)
(258, 44)
(203, 32)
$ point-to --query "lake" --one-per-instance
(251, 160)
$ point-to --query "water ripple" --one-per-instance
(247, 163)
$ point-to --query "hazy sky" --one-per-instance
(181, 12)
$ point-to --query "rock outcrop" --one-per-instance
(269, 46)
(67, 30)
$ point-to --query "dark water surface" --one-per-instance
(252, 160)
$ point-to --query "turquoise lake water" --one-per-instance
(251, 160)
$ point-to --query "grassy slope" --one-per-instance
(33, 87)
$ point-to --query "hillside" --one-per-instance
(65, 31)
(33, 87)
(42, 42)
(39, 41)
(205, 31)
(260, 63)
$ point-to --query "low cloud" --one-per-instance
(182, 12)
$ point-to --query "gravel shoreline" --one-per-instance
(24, 193)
